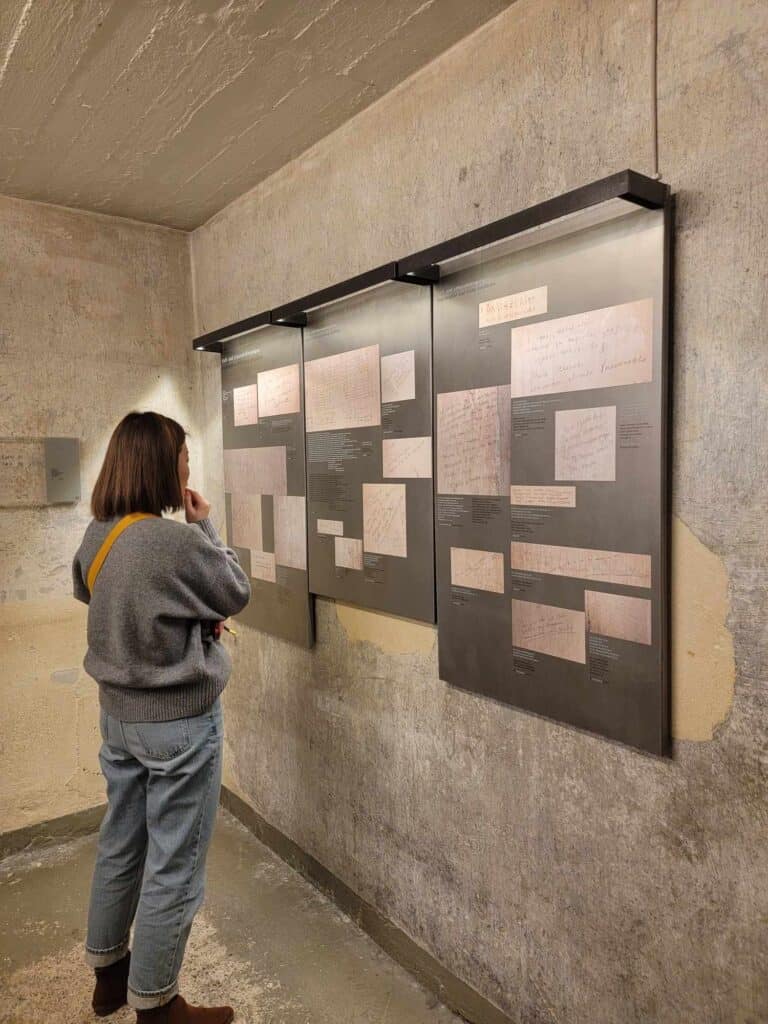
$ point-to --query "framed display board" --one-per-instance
(368, 393)
(265, 478)
(550, 357)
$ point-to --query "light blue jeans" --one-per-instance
(163, 781)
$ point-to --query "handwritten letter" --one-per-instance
(512, 307)
(543, 497)
(558, 632)
(290, 531)
(279, 392)
(343, 391)
(583, 563)
(398, 377)
(473, 441)
(246, 521)
(480, 570)
(626, 618)
(599, 349)
(384, 520)
(256, 470)
(245, 405)
(585, 444)
(263, 566)
(407, 457)
(348, 553)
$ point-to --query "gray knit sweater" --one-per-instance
(150, 645)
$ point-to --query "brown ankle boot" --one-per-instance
(111, 990)
(178, 1011)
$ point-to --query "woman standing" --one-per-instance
(157, 591)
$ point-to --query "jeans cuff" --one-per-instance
(105, 957)
(149, 1000)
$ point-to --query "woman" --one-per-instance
(157, 597)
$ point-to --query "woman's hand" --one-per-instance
(196, 507)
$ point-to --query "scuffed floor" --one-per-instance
(265, 941)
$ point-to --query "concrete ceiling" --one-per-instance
(166, 110)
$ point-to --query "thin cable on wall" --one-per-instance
(654, 89)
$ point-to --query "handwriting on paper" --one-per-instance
(290, 531)
(256, 470)
(348, 552)
(625, 618)
(333, 527)
(546, 629)
(279, 391)
(598, 349)
(473, 441)
(398, 377)
(512, 307)
(585, 444)
(542, 496)
(343, 391)
(263, 566)
(246, 521)
(583, 563)
(384, 519)
(245, 404)
(407, 457)
(479, 570)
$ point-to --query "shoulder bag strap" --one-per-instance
(106, 547)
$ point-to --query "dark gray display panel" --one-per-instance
(265, 478)
(369, 450)
(550, 380)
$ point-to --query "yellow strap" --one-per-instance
(110, 539)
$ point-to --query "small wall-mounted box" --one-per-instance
(62, 470)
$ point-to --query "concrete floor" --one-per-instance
(266, 941)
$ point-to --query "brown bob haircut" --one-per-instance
(141, 468)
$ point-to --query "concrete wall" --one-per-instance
(565, 878)
(95, 320)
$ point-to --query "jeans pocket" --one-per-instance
(163, 741)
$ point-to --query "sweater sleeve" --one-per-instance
(211, 583)
(79, 589)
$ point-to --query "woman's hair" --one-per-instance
(141, 468)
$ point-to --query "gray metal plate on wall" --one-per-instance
(619, 690)
(340, 462)
(283, 606)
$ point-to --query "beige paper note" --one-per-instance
(546, 629)
(246, 405)
(263, 566)
(542, 496)
(290, 531)
(585, 444)
(348, 553)
(599, 349)
(398, 377)
(255, 470)
(583, 563)
(626, 618)
(512, 307)
(343, 392)
(384, 519)
(480, 570)
(246, 521)
(333, 527)
(407, 457)
(473, 441)
(279, 391)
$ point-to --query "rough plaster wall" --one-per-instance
(566, 878)
(95, 319)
